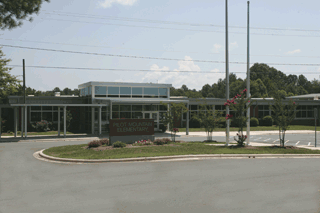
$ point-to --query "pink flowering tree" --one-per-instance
(284, 112)
(239, 104)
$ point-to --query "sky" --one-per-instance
(169, 41)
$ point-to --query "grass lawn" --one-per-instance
(78, 152)
(40, 133)
(258, 128)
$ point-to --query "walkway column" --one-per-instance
(110, 110)
(59, 126)
(92, 119)
(168, 106)
(15, 123)
(25, 121)
(22, 112)
(187, 127)
(64, 121)
(0, 123)
(99, 121)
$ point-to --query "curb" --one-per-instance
(205, 156)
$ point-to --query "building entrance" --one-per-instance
(154, 116)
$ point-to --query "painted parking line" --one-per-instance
(267, 139)
(257, 138)
(275, 141)
(286, 142)
(297, 143)
(309, 143)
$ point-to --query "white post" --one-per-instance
(22, 121)
(248, 82)
(227, 76)
(100, 120)
(25, 121)
(92, 119)
(65, 121)
(110, 110)
(59, 127)
(0, 123)
(15, 121)
(187, 127)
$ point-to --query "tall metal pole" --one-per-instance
(227, 75)
(24, 82)
(248, 77)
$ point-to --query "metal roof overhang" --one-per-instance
(94, 105)
(144, 101)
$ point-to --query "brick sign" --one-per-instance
(123, 127)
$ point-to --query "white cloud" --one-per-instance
(233, 45)
(182, 75)
(293, 52)
(108, 3)
(216, 48)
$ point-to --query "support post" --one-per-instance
(248, 78)
(25, 121)
(15, 121)
(187, 127)
(99, 120)
(92, 119)
(59, 121)
(110, 109)
(65, 121)
(0, 124)
(227, 76)
(22, 112)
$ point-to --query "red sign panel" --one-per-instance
(123, 127)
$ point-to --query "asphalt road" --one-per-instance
(242, 185)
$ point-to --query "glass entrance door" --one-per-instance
(154, 116)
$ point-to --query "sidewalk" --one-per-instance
(77, 137)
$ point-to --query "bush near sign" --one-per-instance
(126, 127)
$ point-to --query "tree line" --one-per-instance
(265, 81)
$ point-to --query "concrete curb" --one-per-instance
(205, 156)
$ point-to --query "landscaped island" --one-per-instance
(102, 150)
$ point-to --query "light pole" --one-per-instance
(227, 76)
(248, 78)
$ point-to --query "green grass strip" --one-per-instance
(77, 152)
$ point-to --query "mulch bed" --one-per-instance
(102, 148)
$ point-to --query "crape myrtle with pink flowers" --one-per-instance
(239, 104)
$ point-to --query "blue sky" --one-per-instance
(161, 29)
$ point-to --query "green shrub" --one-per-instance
(254, 122)
(94, 143)
(119, 144)
(41, 126)
(158, 142)
(163, 128)
(104, 141)
(267, 121)
(194, 122)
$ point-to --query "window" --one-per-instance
(35, 116)
(47, 108)
(125, 115)
(137, 115)
(136, 92)
(125, 92)
(137, 108)
(193, 107)
(89, 90)
(151, 108)
(100, 91)
(124, 108)
(36, 108)
(47, 116)
(151, 92)
(263, 110)
(115, 108)
(305, 112)
(163, 92)
(113, 92)
(163, 108)
(86, 91)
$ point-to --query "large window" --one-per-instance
(137, 92)
(125, 92)
(305, 112)
(163, 92)
(100, 91)
(47, 113)
(263, 110)
(113, 92)
(151, 92)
